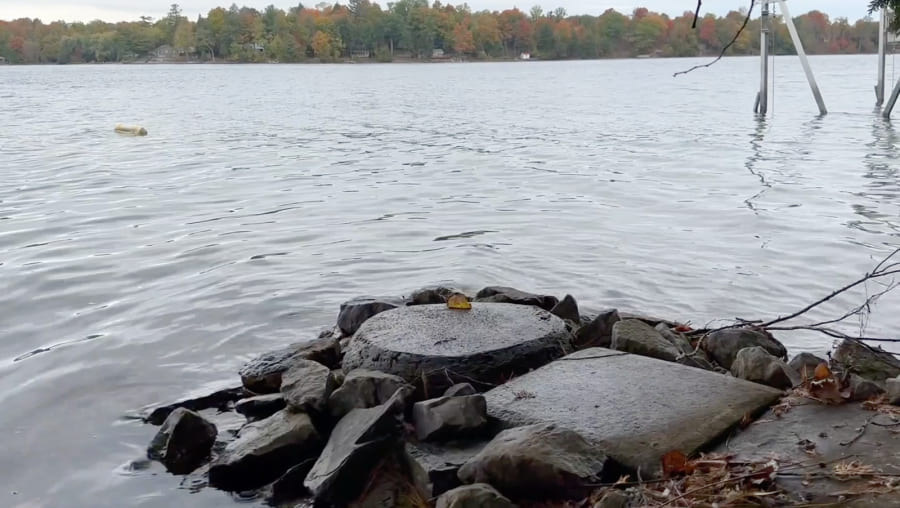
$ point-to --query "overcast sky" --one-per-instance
(118, 10)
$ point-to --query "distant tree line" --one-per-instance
(413, 29)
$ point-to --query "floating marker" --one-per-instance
(131, 130)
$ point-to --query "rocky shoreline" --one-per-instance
(509, 397)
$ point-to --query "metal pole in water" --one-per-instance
(886, 112)
(802, 54)
(762, 99)
(882, 35)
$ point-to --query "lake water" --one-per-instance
(136, 271)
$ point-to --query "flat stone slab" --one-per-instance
(635, 408)
(812, 434)
(482, 345)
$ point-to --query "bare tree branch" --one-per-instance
(696, 14)
(727, 46)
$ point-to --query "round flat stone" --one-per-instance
(437, 345)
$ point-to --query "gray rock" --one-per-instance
(289, 486)
(650, 320)
(806, 362)
(869, 362)
(460, 389)
(548, 461)
(396, 481)
(264, 450)
(892, 387)
(757, 365)
(430, 295)
(357, 444)
(355, 312)
(500, 294)
(635, 408)
(338, 376)
(831, 434)
(567, 309)
(442, 461)
(613, 499)
(363, 388)
(597, 333)
(261, 406)
(183, 442)
(723, 345)
(307, 385)
(635, 336)
(450, 417)
(220, 400)
(477, 495)
(676, 339)
(263, 373)
(435, 347)
(863, 389)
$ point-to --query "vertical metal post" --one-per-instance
(882, 35)
(762, 99)
(886, 112)
(802, 54)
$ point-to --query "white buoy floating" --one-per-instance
(130, 130)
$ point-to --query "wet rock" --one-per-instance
(867, 361)
(635, 336)
(356, 445)
(442, 461)
(567, 309)
(676, 339)
(363, 388)
(806, 362)
(500, 294)
(220, 400)
(450, 417)
(863, 389)
(261, 406)
(307, 385)
(290, 485)
(477, 495)
(650, 320)
(355, 312)
(892, 387)
(460, 389)
(338, 376)
(597, 333)
(263, 373)
(183, 442)
(723, 345)
(265, 450)
(396, 481)
(635, 408)
(548, 461)
(430, 295)
(613, 499)
(757, 365)
(436, 347)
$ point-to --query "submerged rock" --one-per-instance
(536, 462)
(757, 365)
(436, 347)
(263, 373)
(477, 495)
(183, 442)
(363, 388)
(723, 345)
(261, 406)
(220, 400)
(597, 333)
(355, 312)
(634, 336)
(500, 294)
(264, 450)
(307, 385)
(869, 362)
(567, 309)
(450, 417)
(356, 445)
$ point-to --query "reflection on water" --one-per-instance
(139, 270)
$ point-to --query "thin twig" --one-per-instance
(696, 14)
(727, 46)
(862, 430)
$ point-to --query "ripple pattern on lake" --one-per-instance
(138, 270)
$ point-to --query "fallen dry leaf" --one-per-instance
(458, 301)
(674, 463)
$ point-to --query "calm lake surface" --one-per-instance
(135, 271)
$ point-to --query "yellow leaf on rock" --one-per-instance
(458, 301)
